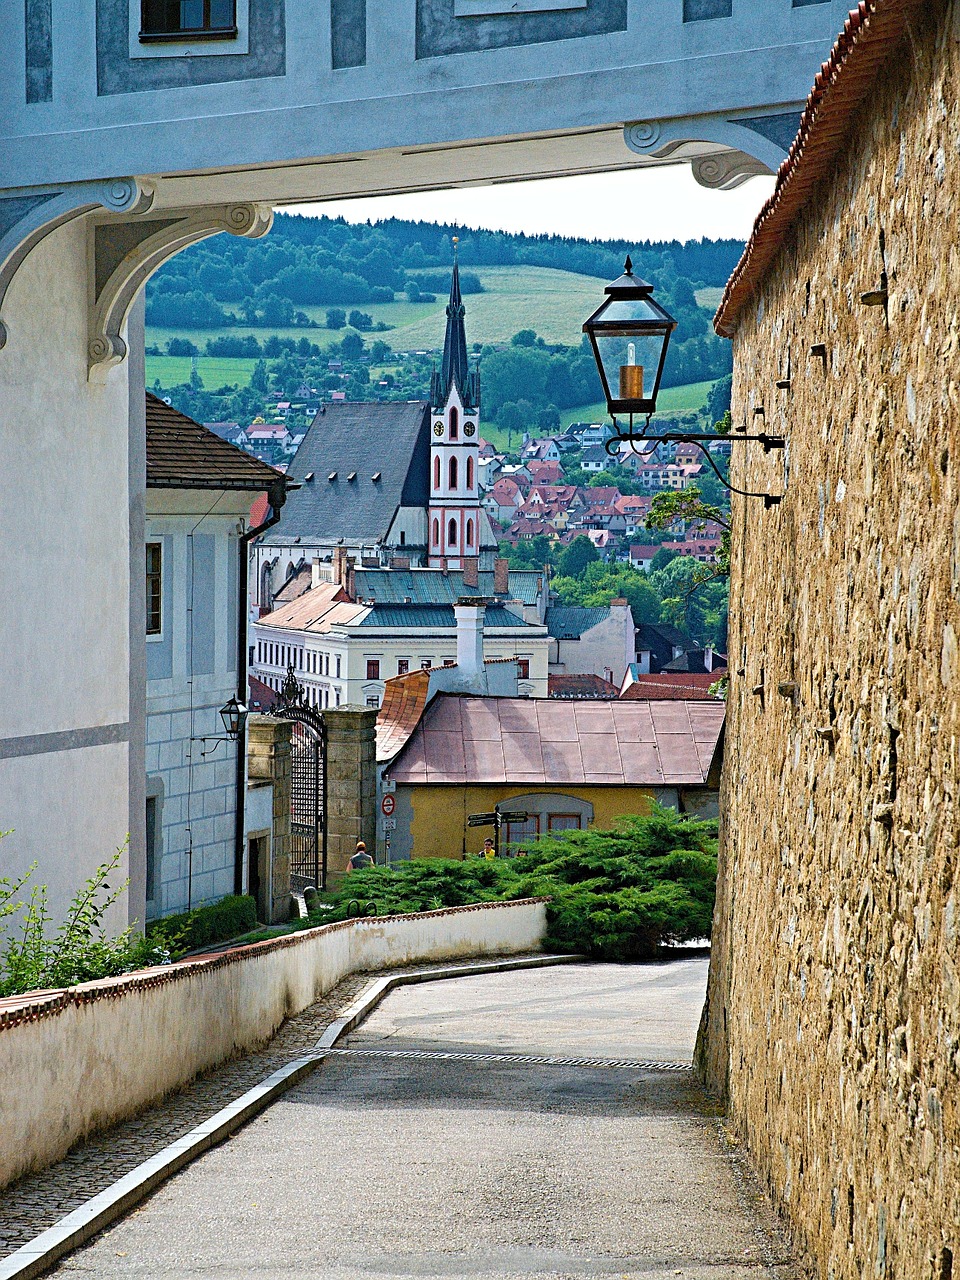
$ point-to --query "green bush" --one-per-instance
(205, 926)
(619, 894)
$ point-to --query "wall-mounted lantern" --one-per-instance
(234, 716)
(630, 334)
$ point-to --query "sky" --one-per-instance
(663, 203)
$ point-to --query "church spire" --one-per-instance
(454, 369)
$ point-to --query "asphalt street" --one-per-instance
(516, 1126)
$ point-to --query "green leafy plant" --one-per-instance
(36, 954)
(618, 894)
(205, 926)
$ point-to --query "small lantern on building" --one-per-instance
(630, 334)
(234, 716)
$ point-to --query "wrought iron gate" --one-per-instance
(308, 786)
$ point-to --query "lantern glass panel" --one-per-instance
(631, 363)
(629, 311)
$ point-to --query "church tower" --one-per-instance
(457, 527)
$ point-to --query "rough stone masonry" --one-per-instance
(833, 1020)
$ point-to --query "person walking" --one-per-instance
(489, 849)
(360, 859)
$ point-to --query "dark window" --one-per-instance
(563, 822)
(523, 831)
(373, 668)
(800, 4)
(436, 472)
(469, 473)
(436, 532)
(425, 664)
(154, 588)
(453, 473)
(454, 424)
(403, 666)
(523, 668)
(699, 10)
(449, 662)
(452, 533)
(153, 847)
(469, 533)
(187, 20)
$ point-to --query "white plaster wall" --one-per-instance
(92, 1062)
(65, 656)
(608, 646)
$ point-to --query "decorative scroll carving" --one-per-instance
(125, 254)
(726, 170)
(28, 215)
(745, 148)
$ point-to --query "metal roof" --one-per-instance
(403, 617)
(469, 740)
(434, 586)
(568, 622)
(384, 446)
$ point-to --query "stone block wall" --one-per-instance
(833, 1018)
(268, 760)
(351, 785)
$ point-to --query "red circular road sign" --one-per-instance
(387, 805)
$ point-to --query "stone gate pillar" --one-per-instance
(351, 785)
(268, 760)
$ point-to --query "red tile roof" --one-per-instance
(580, 686)
(261, 696)
(404, 702)
(871, 34)
(668, 686)
(537, 741)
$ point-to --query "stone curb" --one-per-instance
(73, 1230)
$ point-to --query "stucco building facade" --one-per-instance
(833, 1023)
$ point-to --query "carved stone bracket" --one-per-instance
(743, 146)
(27, 215)
(123, 256)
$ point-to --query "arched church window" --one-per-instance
(452, 533)
(265, 587)
(436, 472)
(436, 533)
(453, 473)
(469, 473)
(454, 424)
(469, 533)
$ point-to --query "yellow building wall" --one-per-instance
(439, 824)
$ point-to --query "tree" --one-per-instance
(662, 559)
(360, 320)
(548, 419)
(259, 379)
(336, 318)
(380, 352)
(181, 347)
(352, 346)
(718, 400)
(525, 338)
(575, 558)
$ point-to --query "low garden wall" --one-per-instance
(78, 1060)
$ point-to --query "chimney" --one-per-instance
(469, 615)
(340, 565)
(708, 658)
(470, 572)
(315, 572)
(399, 562)
(350, 578)
(501, 577)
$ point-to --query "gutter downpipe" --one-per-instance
(277, 496)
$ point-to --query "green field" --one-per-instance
(554, 303)
(709, 297)
(685, 399)
(216, 371)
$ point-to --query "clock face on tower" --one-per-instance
(469, 428)
(438, 428)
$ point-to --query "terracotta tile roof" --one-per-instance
(538, 741)
(181, 454)
(261, 697)
(404, 702)
(580, 686)
(872, 32)
(667, 686)
(316, 610)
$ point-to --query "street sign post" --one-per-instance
(495, 820)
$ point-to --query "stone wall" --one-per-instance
(268, 761)
(351, 800)
(833, 1021)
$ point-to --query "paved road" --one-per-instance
(410, 1156)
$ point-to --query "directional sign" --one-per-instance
(389, 824)
(387, 805)
(482, 820)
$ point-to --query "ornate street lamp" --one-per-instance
(630, 334)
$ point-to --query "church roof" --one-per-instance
(437, 586)
(357, 465)
(454, 369)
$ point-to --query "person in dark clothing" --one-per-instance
(360, 859)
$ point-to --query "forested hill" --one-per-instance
(308, 262)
